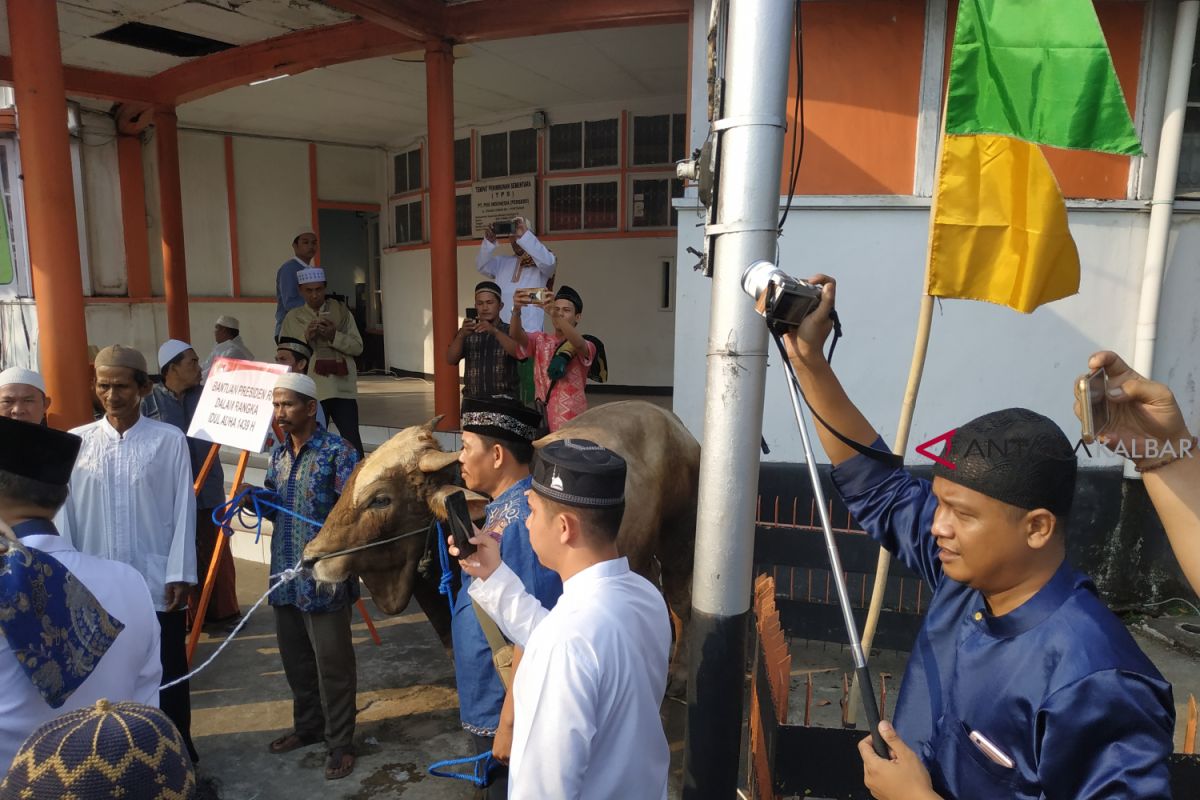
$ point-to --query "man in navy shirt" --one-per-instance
(1021, 683)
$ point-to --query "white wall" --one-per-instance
(619, 281)
(105, 245)
(350, 174)
(981, 356)
(273, 200)
(205, 214)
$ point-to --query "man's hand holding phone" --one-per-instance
(1138, 410)
(484, 561)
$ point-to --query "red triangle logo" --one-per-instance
(947, 437)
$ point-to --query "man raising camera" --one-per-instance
(1021, 682)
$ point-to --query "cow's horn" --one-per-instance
(436, 460)
(433, 423)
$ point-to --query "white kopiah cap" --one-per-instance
(300, 384)
(23, 376)
(303, 229)
(310, 275)
(232, 323)
(169, 350)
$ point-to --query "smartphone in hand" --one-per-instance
(1092, 393)
(458, 515)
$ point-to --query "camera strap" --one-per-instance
(883, 456)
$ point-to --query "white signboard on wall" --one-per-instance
(235, 406)
(502, 199)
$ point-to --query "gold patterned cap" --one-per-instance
(125, 750)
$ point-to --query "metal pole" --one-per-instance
(745, 229)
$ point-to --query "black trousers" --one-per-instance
(498, 790)
(317, 651)
(343, 412)
(176, 702)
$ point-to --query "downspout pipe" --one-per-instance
(1162, 203)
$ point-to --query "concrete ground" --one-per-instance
(407, 713)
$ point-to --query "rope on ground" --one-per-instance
(480, 776)
(284, 577)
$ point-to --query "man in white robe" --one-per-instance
(227, 332)
(594, 670)
(531, 266)
(35, 466)
(132, 501)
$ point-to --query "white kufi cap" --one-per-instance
(26, 377)
(300, 384)
(226, 321)
(169, 350)
(303, 229)
(310, 275)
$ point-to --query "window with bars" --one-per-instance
(1189, 151)
(652, 197)
(409, 221)
(583, 206)
(462, 160)
(407, 172)
(508, 153)
(658, 139)
(462, 215)
(585, 145)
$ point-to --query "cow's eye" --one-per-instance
(380, 501)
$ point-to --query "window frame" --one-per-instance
(582, 180)
(479, 173)
(675, 118)
(670, 178)
(408, 201)
(615, 166)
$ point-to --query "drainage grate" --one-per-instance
(163, 40)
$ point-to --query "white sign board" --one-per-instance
(502, 199)
(235, 406)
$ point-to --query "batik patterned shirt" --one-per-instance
(480, 692)
(309, 482)
(490, 370)
(566, 399)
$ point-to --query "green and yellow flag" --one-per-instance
(1022, 73)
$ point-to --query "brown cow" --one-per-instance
(406, 480)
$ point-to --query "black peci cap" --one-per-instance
(576, 472)
(37, 452)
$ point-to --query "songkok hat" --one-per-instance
(300, 384)
(303, 229)
(576, 472)
(37, 452)
(488, 286)
(124, 750)
(170, 350)
(500, 418)
(1016, 456)
(567, 293)
(226, 321)
(26, 377)
(118, 355)
(297, 346)
(310, 275)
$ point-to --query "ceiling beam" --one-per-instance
(289, 54)
(504, 19)
(412, 18)
(81, 82)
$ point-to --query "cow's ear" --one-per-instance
(476, 503)
(436, 460)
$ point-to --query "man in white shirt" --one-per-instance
(594, 670)
(227, 333)
(23, 395)
(132, 501)
(531, 266)
(35, 465)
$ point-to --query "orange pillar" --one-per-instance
(443, 245)
(133, 215)
(41, 100)
(170, 200)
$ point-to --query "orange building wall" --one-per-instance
(1083, 174)
(862, 88)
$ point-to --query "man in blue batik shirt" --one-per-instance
(312, 623)
(1021, 683)
(497, 450)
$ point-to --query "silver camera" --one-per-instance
(783, 300)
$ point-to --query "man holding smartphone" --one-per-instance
(1021, 682)
(483, 340)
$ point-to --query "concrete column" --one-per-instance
(170, 201)
(49, 193)
(443, 244)
(133, 215)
